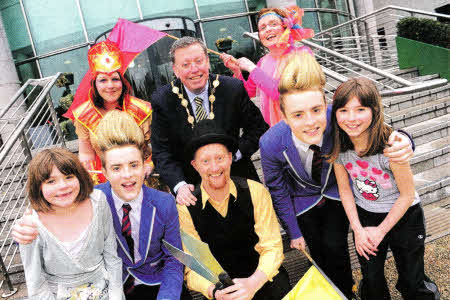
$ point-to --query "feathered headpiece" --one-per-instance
(294, 31)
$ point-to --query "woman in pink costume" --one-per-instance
(279, 29)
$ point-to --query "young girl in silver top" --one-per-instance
(74, 255)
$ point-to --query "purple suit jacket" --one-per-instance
(293, 191)
(159, 220)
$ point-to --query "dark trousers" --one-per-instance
(275, 289)
(150, 292)
(406, 240)
(325, 230)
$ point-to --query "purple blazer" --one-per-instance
(293, 191)
(159, 220)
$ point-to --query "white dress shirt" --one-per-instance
(306, 154)
(135, 218)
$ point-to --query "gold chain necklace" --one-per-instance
(185, 103)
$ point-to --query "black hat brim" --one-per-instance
(210, 138)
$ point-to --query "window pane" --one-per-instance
(102, 15)
(306, 3)
(230, 28)
(326, 3)
(54, 25)
(342, 5)
(211, 8)
(74, 61)
(328, 20)
(14, 25)
(184, 8)
(310, 20)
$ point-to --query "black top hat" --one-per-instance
(208, 132)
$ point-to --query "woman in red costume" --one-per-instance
(278, 30)
(109, 90)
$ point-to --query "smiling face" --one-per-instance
(354, 118)
(109, 87)
(124, 169)
(305, 113)
(60, 190)
(213, 163)
(270, 28)
(192, 67)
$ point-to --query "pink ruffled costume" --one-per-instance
(263, 83)
(263, 80)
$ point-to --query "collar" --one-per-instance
(302, 145)
(203, 95)
(135, 204)
(206, 197)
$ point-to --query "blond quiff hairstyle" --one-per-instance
(302, 73)
(117, 129)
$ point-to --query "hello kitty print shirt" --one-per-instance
(373, 183)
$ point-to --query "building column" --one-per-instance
(9, 80)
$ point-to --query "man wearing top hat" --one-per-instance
(195, 95)
(235, 217)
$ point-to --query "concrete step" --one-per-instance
(419, 113)
(433, 184)
(429, 130)
(431, 154)
(397, 103)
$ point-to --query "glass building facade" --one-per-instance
(50, 36)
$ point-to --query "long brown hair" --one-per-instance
(367, 93)
(40, 169)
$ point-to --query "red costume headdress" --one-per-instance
(105, 57)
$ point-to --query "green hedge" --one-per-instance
(425, 30)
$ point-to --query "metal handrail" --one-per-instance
(360, 64)
(50, 81)
(414, 11)
(25, 134)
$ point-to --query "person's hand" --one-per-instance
(243, 289)
(246, 64)
(148, 169)
(231, 63)
(375, 234)
(24, 230)
(363, 245)
(185, 196)
(400, 150)
(298, 244)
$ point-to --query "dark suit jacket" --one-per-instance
(171, 131)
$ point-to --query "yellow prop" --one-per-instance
(312, 286)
